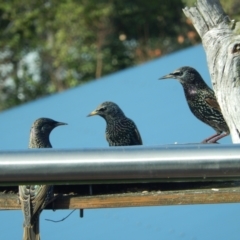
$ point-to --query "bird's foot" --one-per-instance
(209, 142)
(220, 136)
(211, 139)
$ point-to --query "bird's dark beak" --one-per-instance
(166, 76)
(60, 124)
(93, 113)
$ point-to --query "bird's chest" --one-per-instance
(116, 134)
(196, 102)
(191, 94)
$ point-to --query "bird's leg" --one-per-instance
(211, 137)
(214, 140)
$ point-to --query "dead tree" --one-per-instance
(221, 41)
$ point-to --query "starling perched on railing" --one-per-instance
(120, 130)
(201, 101)
(34, 198)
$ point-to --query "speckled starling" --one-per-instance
(201, 101)
(120, 130)
(34, 198)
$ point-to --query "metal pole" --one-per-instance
(203, 162)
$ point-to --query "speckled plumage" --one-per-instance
(34, 198)
(201, 101)
(120, 130)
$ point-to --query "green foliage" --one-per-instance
(231, 7)
(47, 46)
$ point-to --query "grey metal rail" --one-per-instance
(202, 162)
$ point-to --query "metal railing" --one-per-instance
(202, 162)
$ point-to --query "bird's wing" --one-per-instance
(134, 131)
(130, 129)
(34, 200)
(212, 102)
(25, 200)
(42, 197)
(138, 136)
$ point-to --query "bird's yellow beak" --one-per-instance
(93, 113)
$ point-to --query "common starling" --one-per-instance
(201, 101)
(34, 198)
(120, 130)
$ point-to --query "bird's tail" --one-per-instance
(31, 232)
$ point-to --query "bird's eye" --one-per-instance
(178, 73)
(102, 109)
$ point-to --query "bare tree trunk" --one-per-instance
(221, 41)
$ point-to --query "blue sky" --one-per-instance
(160, 111)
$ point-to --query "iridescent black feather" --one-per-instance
(34, 198)
(120, 130)
(201, 101)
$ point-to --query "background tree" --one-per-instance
(47, 46)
